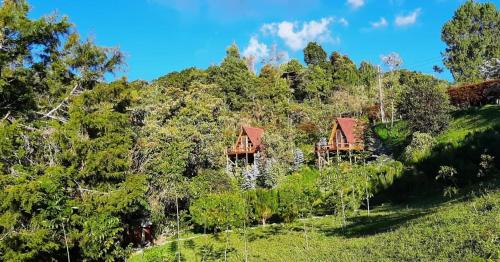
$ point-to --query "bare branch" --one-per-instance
(73, 92)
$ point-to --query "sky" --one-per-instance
(162, 36)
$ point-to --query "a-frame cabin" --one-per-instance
(249, 143)
(346, 137)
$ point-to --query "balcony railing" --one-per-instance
(339, 147)
(241, 150)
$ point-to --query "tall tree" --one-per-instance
(393, 61)
(424, 104)
(314, 54)
(471, 37)
(344, 71)
(234, 78)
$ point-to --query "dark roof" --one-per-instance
(348, 125)
(254, 134)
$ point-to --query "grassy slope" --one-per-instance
(458, 230)
(472, 120)
(462, 123)
(431, 229)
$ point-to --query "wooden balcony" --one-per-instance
(234, 151)
(339, 147)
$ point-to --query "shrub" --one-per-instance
(419, 148)
(425, 105)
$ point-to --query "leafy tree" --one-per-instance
(266, 204)
(471, 37)
(367, 76)
(344, 71)
(314, 54)
(293, 70)
(424, 104)
(315, 84)
(345, 188)
(234, 79)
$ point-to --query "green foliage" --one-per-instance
(421, 230)
(344, 71)
(218, 211)
(314, 54)
(233, 78)
(419, 148)
(425, 106)
(471, 37)
(266, 204)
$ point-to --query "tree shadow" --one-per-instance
(264, 232)
(374, 224)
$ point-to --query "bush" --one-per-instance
(425, 106)
(419, 148)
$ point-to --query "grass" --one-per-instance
(463, 122)
(463, 229)
(466, 228)
(472, 120)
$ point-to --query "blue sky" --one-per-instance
(161, 36)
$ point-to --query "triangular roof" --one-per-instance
(254, 134)
(347, 125)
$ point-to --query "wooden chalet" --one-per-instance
(347, 136)
(248, 143)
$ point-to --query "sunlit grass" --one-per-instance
(432, 229)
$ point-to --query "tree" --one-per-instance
(344, 71)
(367, 76)
(234, 79)
(471, 37)
(66, 179)
(393, 61)
(219, 212)
(424, 104)
(314, 54)
(266, 204)
(345, 188)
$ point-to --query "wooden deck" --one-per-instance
(339, 147)
(232, 151)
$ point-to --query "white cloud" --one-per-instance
(296, 35)
(380, 23)
(256, 49)
(356, 3)
(409, 19)
(343, 21)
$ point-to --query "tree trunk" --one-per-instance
(392, 114)
(66, 242)
(343, 209)
(305, 235)
(178, 229)
(381, 96)
(227, 244)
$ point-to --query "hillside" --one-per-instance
(426, 228)
(463, 122)
(462, 229)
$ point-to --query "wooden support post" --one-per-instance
(227, 161)
(350, 155)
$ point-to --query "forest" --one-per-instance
(86, 162)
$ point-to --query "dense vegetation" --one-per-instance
(83, 160)
(432, 229)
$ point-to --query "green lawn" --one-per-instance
(462, 123)
(463, 229)
(472, 120)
